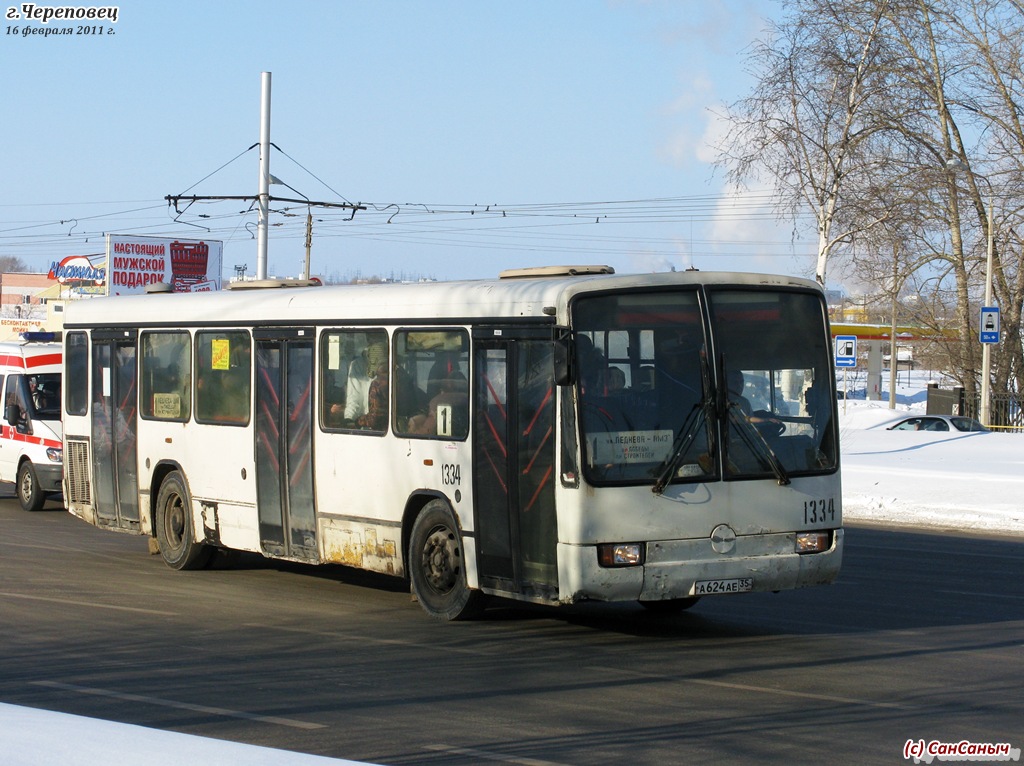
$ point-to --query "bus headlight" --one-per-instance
(55, 454)
(813, 542)
(620, 554)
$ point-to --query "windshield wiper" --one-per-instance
(699, 415)
(755, 440)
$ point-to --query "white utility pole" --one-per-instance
(986, 348)
(264, 187)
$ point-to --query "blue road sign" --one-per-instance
(846, 351)
(990, 324)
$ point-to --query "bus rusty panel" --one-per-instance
(358, 544)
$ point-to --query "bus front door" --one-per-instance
(513, 464)
(114, 427)
(284, 443)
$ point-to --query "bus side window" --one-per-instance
(76, 364)
(431, 383)
(166, 376)
(223, 377)
(354, 381)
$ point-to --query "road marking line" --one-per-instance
(291, 722)
(489, 756)
(806, 695)
(982, 594)
(762, 689)
(88, 603)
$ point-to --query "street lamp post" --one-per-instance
(984, 415)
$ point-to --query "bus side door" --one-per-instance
(513, 463)
(114, 427)
(284, 442)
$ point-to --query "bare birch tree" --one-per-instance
(858, 110)
(805, 123)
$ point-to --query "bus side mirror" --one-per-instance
(562, 357)
(13, 414)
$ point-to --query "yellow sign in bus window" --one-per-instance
(220, 354)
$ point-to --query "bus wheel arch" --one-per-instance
(436, 565)
(173, 525)
(30, 494)
(160, 472)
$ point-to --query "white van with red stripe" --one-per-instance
(31, 436)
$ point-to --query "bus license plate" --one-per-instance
(709, 587)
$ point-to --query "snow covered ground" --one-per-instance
(970, 482)
(42, 738)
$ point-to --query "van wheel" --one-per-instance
(437, 567)
(30, 495)
(174, 526)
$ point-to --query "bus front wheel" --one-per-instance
(174, 532)
(437, 568)
(30, 494)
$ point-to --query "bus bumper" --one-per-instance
(674, 569)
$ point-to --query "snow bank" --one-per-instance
(42, 738)
(972, 482)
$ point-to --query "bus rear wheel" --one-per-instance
(174, 533)
(30, 495)
(437, 568)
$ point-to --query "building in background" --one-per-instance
(28, 303)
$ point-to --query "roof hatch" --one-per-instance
(555, 271)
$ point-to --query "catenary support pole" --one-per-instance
(264, 186)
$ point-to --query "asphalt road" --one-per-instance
(921, 639)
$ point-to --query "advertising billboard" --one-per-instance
(188, 265)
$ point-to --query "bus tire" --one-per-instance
(30, 495)
(670, 605)
(174, 533)
(437, 570)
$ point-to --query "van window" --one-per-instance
(16, 406)
(43, 395)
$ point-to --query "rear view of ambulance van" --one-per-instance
(31, 448)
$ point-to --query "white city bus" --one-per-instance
(556, 435)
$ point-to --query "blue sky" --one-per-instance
(582, 124)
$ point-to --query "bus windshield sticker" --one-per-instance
(631, 446)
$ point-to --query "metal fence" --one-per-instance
(1005, 412)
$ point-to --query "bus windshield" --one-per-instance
(669, 391)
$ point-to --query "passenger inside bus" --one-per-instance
(763, 420)
(357, 393)
(735, 384)
(448, 412)
(376, 416)
(612, 381)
